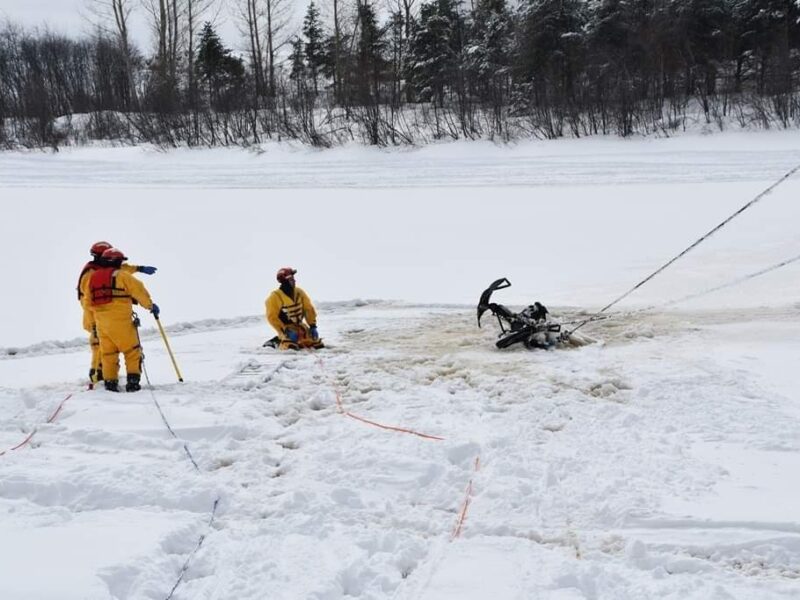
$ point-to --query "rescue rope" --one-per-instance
(694, 296)
(202, 538)
(50, 419)
(153, 394)
(469, 491)
(462, 517)
(441, 548)
(189, 558)
(58, 409)
(731, 283)
(21, 444)
(164, 418)
(340, 408)
(392, 428)
(692, 246)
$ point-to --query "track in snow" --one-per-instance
(599, 467)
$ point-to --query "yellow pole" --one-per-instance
(171, 355)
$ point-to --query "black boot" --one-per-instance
(133, 383)
(112, 385)
(95, 375)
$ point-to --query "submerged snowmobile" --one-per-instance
(531, 327)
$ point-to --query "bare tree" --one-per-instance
(337, 51)
(111, 17)
(343, 22)
(264, 24)
(165, 21)
(405, 8)
(247, 18)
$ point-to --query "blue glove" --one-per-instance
(292, 335)
(155, 310)
(147, 270)
(314, 333)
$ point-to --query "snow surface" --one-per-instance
(658, 462)
(587, 220)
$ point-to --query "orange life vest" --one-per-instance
(89, 266)
(102, 286)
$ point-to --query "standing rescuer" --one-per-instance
(89, 324)
(112, 291)
(292, 314)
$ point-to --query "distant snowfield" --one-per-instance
(730, 157)
(658, 462)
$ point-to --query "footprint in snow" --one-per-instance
(609, 389)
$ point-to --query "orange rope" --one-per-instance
(21, 444)
(391, 428)
(32, 433)
(340, 408)
(58, 410)
(465, 506)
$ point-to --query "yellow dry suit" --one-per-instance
(286, 309)
(89, 324)
(111, 293)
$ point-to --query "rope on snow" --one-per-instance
(189, 558)
(740, 280)
(690, 248)
(202, 538)
(50, 419)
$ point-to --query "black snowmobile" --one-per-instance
(531, 327)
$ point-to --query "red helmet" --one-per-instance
(285, 273)
(98, 248)
(114, 254)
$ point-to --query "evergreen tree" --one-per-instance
(397, 53)
(489, 49)
(297, 61)
(697, 28)
(314, 43)
(215, 66)
(370, 58)
(548, 44)
(435, 50)
(769, 37)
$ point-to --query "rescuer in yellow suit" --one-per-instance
(96, 251)
(287, 309)
(111, 292)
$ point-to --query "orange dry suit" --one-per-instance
(287, 308)
(88, 314)
(111, 292)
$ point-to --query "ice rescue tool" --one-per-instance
(531, 326)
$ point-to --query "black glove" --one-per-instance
(314, 333)
(155, 310)
(147, 270)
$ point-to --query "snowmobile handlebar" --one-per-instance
(483, 303)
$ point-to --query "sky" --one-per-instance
(71, 17)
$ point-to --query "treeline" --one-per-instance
(406, 73)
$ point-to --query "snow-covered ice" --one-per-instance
(658, 462)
